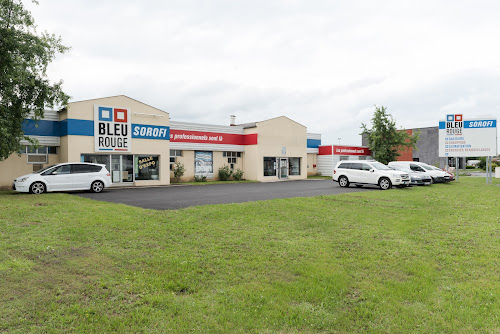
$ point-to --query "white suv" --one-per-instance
(368, 172)
(65, 177)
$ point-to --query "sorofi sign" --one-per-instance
(112, 129)
(467, 138)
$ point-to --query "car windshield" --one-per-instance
(403, 169)
(426, 167)
(379, 166)
(43, 169)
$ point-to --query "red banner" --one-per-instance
(185, 136)
(351, 150)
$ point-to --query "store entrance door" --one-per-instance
(283, 171)
(122, 168)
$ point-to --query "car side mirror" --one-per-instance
(54, 173)
(372, 170)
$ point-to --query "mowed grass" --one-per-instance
(419, 260)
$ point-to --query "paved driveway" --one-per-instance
(183, 196)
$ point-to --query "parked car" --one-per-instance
(65, 177)
(368, 172)
(417, 178)
(438, 176)
(451, 175)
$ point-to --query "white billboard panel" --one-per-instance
(467, 138)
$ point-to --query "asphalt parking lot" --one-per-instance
(183, 196)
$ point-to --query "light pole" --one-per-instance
(339, 140)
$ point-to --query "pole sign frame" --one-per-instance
(112, 129)
(459, 137)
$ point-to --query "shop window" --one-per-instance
(269, 166)
(147, 167)
(203, 164)
(294, 166)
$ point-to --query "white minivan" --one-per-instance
(65, 177)
(437, 176)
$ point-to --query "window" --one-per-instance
(64, 169)
(344, 157)
(38, 155)
(345, 165)
(356, 165)
(97, 159)
(365, 167)
(294, 166)
(231, 156)
(269, 166)
(173, 154)
(85, 169)
(147, 167)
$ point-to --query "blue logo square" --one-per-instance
(105, 114)
(450, 118)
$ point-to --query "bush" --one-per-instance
(238, 174)
(482, 163)
(201, 178)
(225, 173)
(179, 170)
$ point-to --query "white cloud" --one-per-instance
(324, 64)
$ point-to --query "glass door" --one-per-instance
(127, 168)
(283, 168)
(116, 168)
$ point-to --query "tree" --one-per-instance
(25, 90)
(384, 139)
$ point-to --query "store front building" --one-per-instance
(139, 145)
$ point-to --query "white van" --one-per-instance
(437, 176)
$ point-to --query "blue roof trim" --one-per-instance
(313, 143)
(40, 128)
(76, 127)
(81, 127)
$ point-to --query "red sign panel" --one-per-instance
(351, 150)
(201, 137)
(325, 150)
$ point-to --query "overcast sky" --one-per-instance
(324, 64)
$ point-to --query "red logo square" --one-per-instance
(458, 118)
(120, 115)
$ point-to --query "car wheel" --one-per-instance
(384, 183)
(37, 188)
(343, 181)
(432, 180)
(97, 186)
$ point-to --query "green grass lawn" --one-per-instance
(416, 260)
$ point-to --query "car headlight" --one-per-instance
(417, 177)
(395, 175)
(22, 179)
